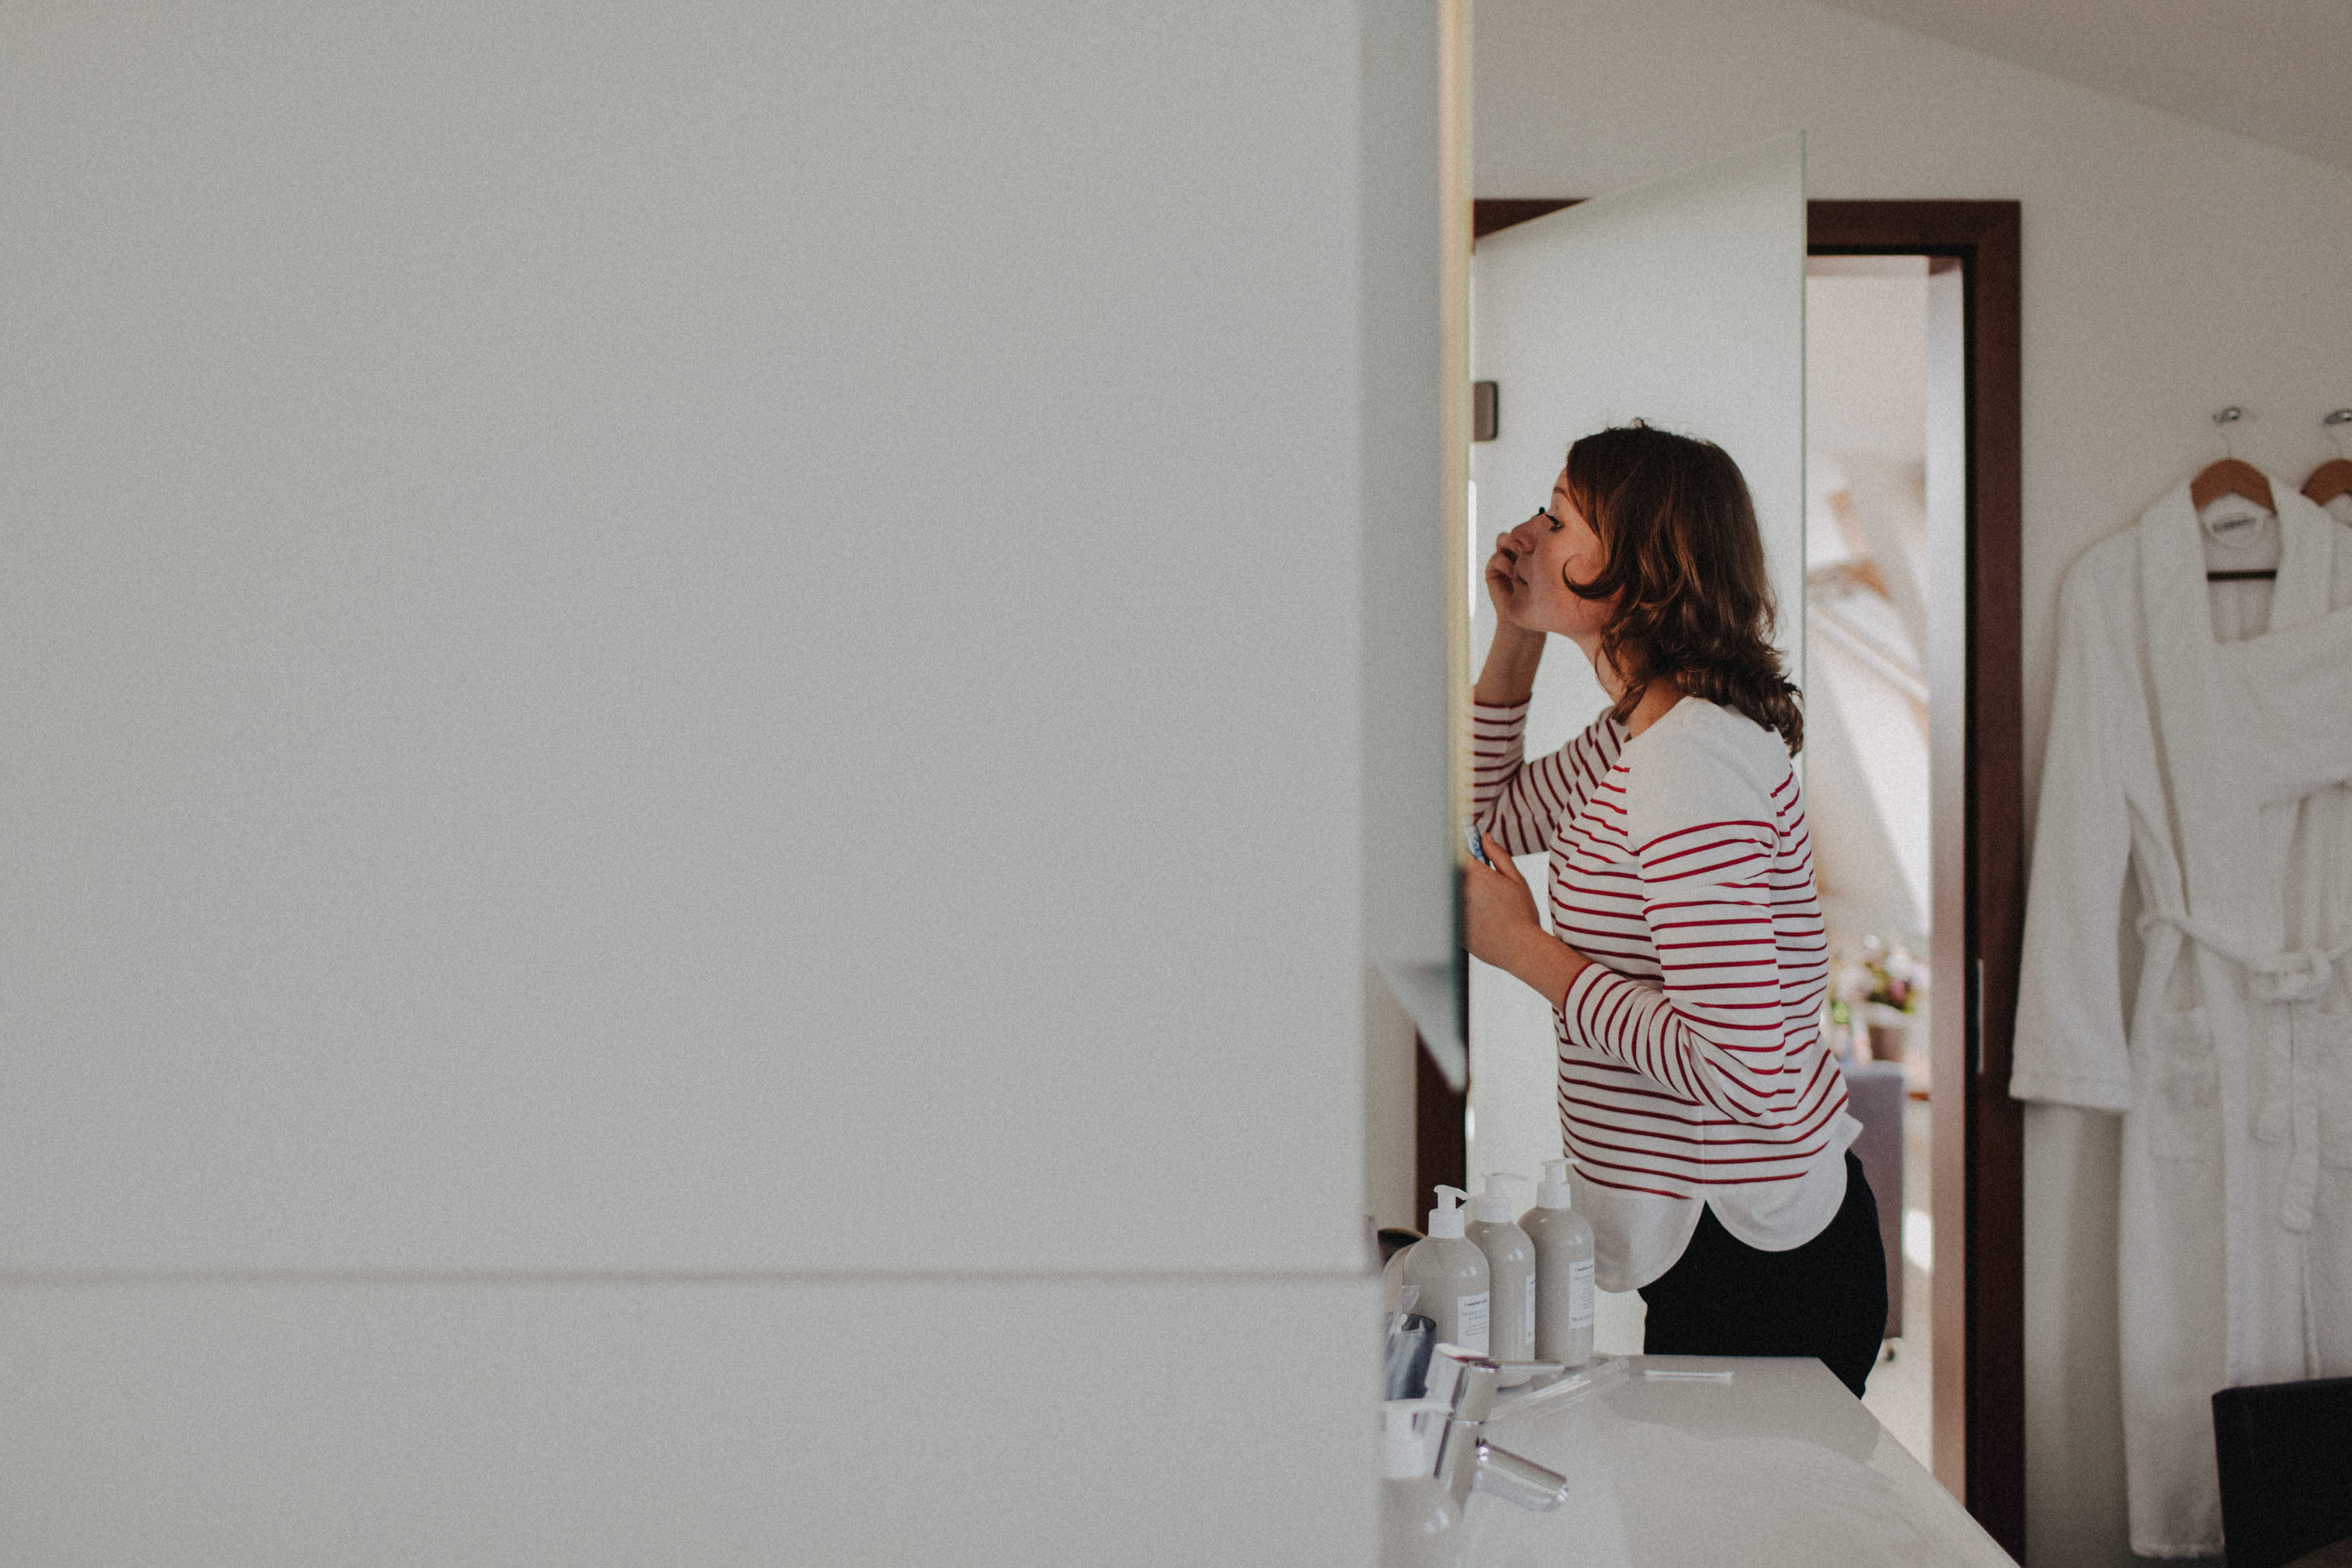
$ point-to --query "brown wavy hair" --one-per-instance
(1686, 562)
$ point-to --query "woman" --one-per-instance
(1706, 1118)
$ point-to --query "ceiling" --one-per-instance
(2277, 71)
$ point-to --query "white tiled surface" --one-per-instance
(687, 637)
(832, 1425)
(638, 637)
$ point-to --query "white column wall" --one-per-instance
(527, 525)
(2170, 268)
(1409, 843)
(1013, 1421)
(683, 756)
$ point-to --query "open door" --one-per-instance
(1680, 303)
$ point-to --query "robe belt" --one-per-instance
(2299, 976)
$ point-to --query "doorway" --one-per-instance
(1969, 663)
(1885, 445)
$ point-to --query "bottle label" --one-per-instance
(1580, 1294)
(1471, 1327)
(1530, 1299)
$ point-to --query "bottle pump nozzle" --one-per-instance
(1555, 1192)
(1446, 1219)
(1493, 1206)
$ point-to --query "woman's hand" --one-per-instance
(1498, 909)
(1500, 927)
(1503, 589)
(1509, 672)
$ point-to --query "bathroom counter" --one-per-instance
(1780, 1465)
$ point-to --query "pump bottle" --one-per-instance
(1510, 1272)
(1448, 1277)
(1563, 1246)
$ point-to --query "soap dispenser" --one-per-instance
(1448, 1277)
(1564, 1246)
(1510, 1272)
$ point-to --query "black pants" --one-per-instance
(1826, 1299)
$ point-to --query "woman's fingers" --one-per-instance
(1502, 576)
(1498, 860)
(1497, 910)
(1501, 857)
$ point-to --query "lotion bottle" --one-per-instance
(1564, 1246)
(1448, 1277)
(1510, 1273)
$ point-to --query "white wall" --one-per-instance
(1409, 847)
(2170, 269)
(684, 723)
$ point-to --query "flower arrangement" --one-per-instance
(1883, 978)
(1896, 977)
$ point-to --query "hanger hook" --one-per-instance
(2223, 420)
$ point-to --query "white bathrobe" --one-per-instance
(2216, 771)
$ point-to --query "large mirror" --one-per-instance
(1680, 303)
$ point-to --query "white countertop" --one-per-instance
(1780, 1465)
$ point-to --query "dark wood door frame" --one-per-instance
(1982, 238)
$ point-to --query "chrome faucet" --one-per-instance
(1429, 1486)
(1467, 1462)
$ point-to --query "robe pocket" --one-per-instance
(2333, 1065)
(2182, 1102)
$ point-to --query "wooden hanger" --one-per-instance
(2230, 477)
(2334, 476)
(2330, 479)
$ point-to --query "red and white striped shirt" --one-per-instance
(1692, 1068)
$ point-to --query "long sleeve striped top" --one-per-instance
(1692, 1070)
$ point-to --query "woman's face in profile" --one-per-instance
(1552, 548)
